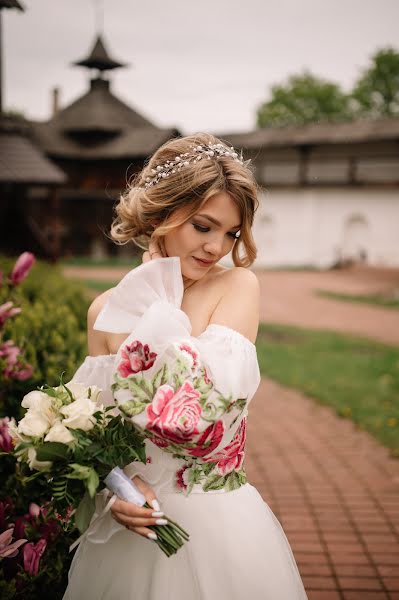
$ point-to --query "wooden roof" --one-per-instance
(316, 133)
(99, 58)
(21, 161)
(100, 126)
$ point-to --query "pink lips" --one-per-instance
(204, 263)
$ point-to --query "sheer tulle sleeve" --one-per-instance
(188, 394)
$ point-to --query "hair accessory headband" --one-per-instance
(197, 153)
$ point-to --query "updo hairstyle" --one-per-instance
(142, 210)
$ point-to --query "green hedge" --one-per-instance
(51, 329)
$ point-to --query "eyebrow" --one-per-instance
(215, 221)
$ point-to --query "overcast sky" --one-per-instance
(194, 64)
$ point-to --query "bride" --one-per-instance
(191, 205)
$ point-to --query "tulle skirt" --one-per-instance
(237, 551)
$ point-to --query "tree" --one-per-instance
(376, 93)
(304, 99)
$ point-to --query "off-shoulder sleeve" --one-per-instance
(158, 280)
(97, 370)
(189, 394)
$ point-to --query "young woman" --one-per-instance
(192, 204)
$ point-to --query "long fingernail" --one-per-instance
(157, 514)
(152, 536)
(161, 522)
(155, 505)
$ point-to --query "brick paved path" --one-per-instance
(288, 297)
(334, 489)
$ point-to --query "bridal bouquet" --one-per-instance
(77, 447)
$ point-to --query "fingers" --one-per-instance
(154, 249)
(136, 518)
(146, 490)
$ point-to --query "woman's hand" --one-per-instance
(154, 251)
(137, 518)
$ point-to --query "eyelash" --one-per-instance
(206, 229)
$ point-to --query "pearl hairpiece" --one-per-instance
(203, 151)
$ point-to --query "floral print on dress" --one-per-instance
(179, 409)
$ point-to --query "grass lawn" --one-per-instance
(358, 377)
(375, 299)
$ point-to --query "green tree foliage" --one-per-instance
(376, 93)
(304, 99)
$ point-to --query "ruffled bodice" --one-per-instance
(188, 395)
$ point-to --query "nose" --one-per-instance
(214, 246)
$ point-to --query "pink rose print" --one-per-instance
(175, 416)
(136, 357)
(185, 348)
(206, 378)
(231, 458)
(180, 479)
(208, 441)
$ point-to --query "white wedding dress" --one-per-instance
(237, 548)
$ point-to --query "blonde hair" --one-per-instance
(141, 210)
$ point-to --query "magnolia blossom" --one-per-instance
(14, 368)
(59, 433)
(6, 444)
(8, 549)
(22, 267)
(7, 310)
(79, 414)
(32, 555)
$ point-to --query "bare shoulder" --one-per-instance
(97, 340)
(239, 302)
(96, 306)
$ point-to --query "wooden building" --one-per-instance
(329, 193)
(98, 142)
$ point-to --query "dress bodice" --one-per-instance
(188, 395)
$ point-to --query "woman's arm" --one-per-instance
(97, 340)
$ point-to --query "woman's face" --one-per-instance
(208, 235)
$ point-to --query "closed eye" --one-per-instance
(203, 229)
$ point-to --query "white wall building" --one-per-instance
(329, 193)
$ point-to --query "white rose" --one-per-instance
(33, 424)
(41, 404)
(80, 391)
(39, 465)
(59, 433)
(14, 433)
(79, 414)
(34, 399)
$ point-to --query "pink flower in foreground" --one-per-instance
(32, 555)
(175, 416)
(208, 441)
(22, 267)
(14, 368)
(6, 444)
(8, 310)
(9, 549)
(232, 456)
(136, 357)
